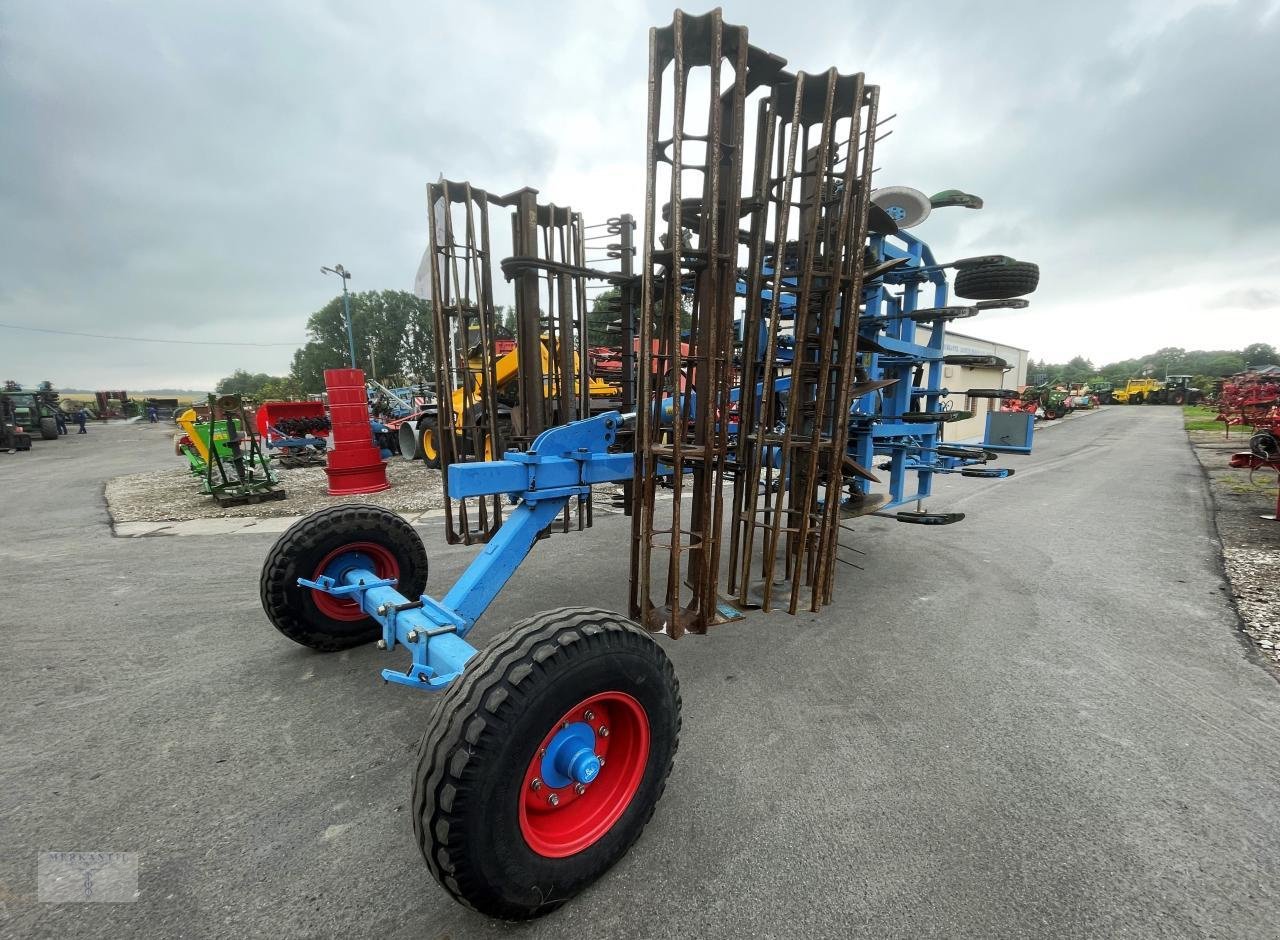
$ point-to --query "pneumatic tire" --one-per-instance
(496, 836)
(322, 621)
(49, 429)
(1003, 280)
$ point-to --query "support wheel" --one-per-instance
(377, 538)
(49, 429)
(544, 762)
(1001, 280)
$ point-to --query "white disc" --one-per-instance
(905, 205)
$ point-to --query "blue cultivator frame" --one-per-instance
(563, 464)
(904, 374)
(892, 421)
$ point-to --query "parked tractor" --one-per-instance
(1176, 390)
(35, 412)
(13, 435)
(1135, 391)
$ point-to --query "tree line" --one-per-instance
(394, 342)
(1206, 365)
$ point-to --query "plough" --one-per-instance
(764, 369)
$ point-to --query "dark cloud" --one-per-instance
(183, 170)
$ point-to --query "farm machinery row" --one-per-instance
(1252, 399)
(780, 373)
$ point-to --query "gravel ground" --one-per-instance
(1250, 544)
(172, 494)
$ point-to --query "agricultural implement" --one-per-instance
(775, 344)
(296, 430)
(1043, 400)
(1250, 399)
(224, 453)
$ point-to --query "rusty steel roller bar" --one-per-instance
(812, 176)
(484, 406)
(462, 288)
(689, 252)
(551, 321)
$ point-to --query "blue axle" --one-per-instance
(563, 463)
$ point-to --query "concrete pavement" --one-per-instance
(1040, 721)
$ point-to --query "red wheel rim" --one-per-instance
(576, 820)
(385, 565)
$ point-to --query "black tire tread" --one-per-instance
(276, 581)
(490, 688)
(1003, 281)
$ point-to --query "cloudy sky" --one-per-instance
(181, 170)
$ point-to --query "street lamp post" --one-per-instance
(346, 308)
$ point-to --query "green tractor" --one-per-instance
(35, 412)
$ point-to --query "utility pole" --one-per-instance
(346, 308)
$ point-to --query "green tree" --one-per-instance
(392, 332)
(605, 310)
(282, 388)
(1260, 354)
(241, 382)
(1078, 369)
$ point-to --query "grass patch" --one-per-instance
(1200, 418)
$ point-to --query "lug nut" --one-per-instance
(382, 644)
(604, 731)
(536, 784)
(590, 715)
(601, 760)
(542, 752)
(413, 636)
(553, 800)
(579, 789)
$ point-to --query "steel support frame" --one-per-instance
(550, 346)
(690, 251)
(891, 334)
(815, 143)
(563, 464)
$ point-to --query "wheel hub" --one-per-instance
(571, 757)
(368, 555)
(584, 773)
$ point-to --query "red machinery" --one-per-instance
(1250, 398)
(297, 429)
(355, 464)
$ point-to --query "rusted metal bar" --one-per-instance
(688, 282)
(813, 166)
(481, 412)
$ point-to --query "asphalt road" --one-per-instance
(1041, 721)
